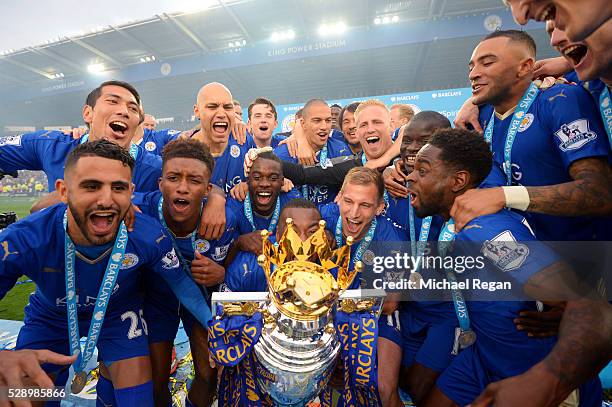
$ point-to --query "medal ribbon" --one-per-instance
(248, 212)
(446, 237)
(519, 114)
(106, 288)
(605, 107)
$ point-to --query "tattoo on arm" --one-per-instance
(583, 347)
(589, 194)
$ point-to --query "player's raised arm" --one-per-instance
(183, 286)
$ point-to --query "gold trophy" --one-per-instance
(298, 347)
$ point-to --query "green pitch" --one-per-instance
(11, 306)
(19, 205)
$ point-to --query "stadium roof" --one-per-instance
(47, 83)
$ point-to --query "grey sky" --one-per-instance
(33, 22)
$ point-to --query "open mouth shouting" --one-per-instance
(220, 127)
(547, 13)
(118, 129)
(264, 198)
(410, 160)
(180, 206)
(575, 52)
(103, 222)
(353, 227)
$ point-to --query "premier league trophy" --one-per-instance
(281, 347)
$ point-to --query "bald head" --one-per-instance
(215, 109)
(213, 89)
(312, 103)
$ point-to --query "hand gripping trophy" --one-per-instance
(282, 346)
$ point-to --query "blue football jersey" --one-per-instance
(261, 223)
(276, 139)
(561, 127)
(154, 140)
(510, 252)
(35, 247)
(47, 150)
(214, 249)
(386, 231)
(319, 194)
(229, 170)
(244, 274)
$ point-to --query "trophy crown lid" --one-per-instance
(299, 273)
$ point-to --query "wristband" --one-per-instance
(517, 197)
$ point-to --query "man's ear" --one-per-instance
(87, 114)
(526, 68)
(460, 181)
(60, 187)
(380, 208)
(196, 111)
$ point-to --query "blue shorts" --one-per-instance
(123, 336)
(163, 312)
(466, 378)
(389, 328)
(428, 334)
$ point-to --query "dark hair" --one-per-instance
(188, 148)
(336, 105)
(263, 101)
(299, 112)
(99, 148)
(464, 150)
(310, 103)
(516, 36)
(94, 95)
(428, 118)
(348, 108)
(269, 155)
(299, 203)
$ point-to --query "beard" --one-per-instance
(81, 222)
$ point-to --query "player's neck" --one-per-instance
(260, 142)
(513, 97)
(607, 81)
(314, 146)
(356, 148)
(138, 135)
(179, 229)
(216, 149)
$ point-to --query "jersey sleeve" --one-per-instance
(23, 152)
(575, 123)
(509, 247)
(331, 176)
(14, 261)
(283, 153)
(166, 263)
